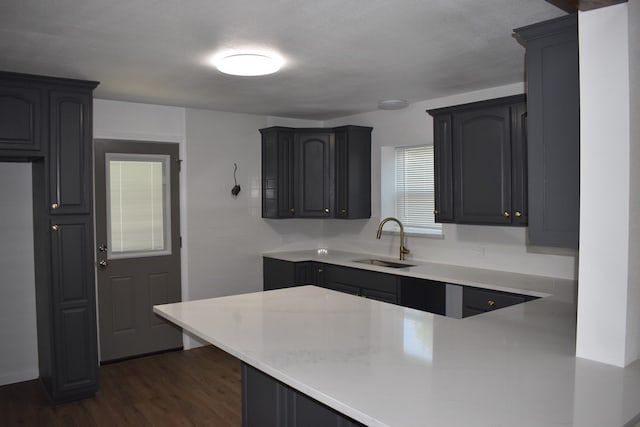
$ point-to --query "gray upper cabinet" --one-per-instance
(316, 172)
(553, 104)
(480, 171)
(353, 172)
(21, 115)
(277, 173)
(69, 154)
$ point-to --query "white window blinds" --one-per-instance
(414, 188)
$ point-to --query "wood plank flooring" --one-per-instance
(197, 387)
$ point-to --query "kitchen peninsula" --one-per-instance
(381, 364)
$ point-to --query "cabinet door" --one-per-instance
(309, 273)
(314, 175)
(353, 172)
(20, 117)
(519, 182)
(443, 168)
(264, 400)
(277, 173)
(482, 165)
(423, 294)
(73, 304)
(70, 152)
(278, 274)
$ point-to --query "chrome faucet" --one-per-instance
(403, 250)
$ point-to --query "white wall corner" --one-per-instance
(605, 180)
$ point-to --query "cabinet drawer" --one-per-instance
(341, 287)
(476, 301)
(380, 296)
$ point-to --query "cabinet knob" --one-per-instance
(102, 263)
(505, 214)
(55, 227)
(518, 214)
(343, 211)
(320, 270)
(436, 212)
(491, 303)
(54, 206)
(326, 210)
(292, 210)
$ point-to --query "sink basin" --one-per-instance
(383, 263)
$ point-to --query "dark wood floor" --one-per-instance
(198, 387)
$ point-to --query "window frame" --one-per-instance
(389, 194)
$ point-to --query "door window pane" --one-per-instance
(138, 205)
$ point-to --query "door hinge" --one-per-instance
(179, 164)
(180, 242)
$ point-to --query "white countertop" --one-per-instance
(386, 365)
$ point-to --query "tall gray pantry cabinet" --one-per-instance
(48, 122)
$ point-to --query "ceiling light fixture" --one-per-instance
(393, 104)
(249, 64)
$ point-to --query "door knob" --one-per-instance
(102, 263)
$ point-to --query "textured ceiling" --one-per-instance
(342, 56)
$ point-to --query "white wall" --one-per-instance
(18, 335)
(226, 233)
(500, 248)
(633, 318)
(605, 238)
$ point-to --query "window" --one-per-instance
(411, 188)
(138, 205)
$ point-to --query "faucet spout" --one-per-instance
(403, 249)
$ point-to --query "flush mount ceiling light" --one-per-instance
(393, 104)
(248, 64)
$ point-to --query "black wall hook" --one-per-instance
(236, 188)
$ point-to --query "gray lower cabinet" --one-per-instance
(74, 317)
(369, 284)
(48, 122)
(478, 301)
(279, 274)
(266, 402)
(553, 105)
(423, 294)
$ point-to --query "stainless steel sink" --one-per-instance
(383, 263)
